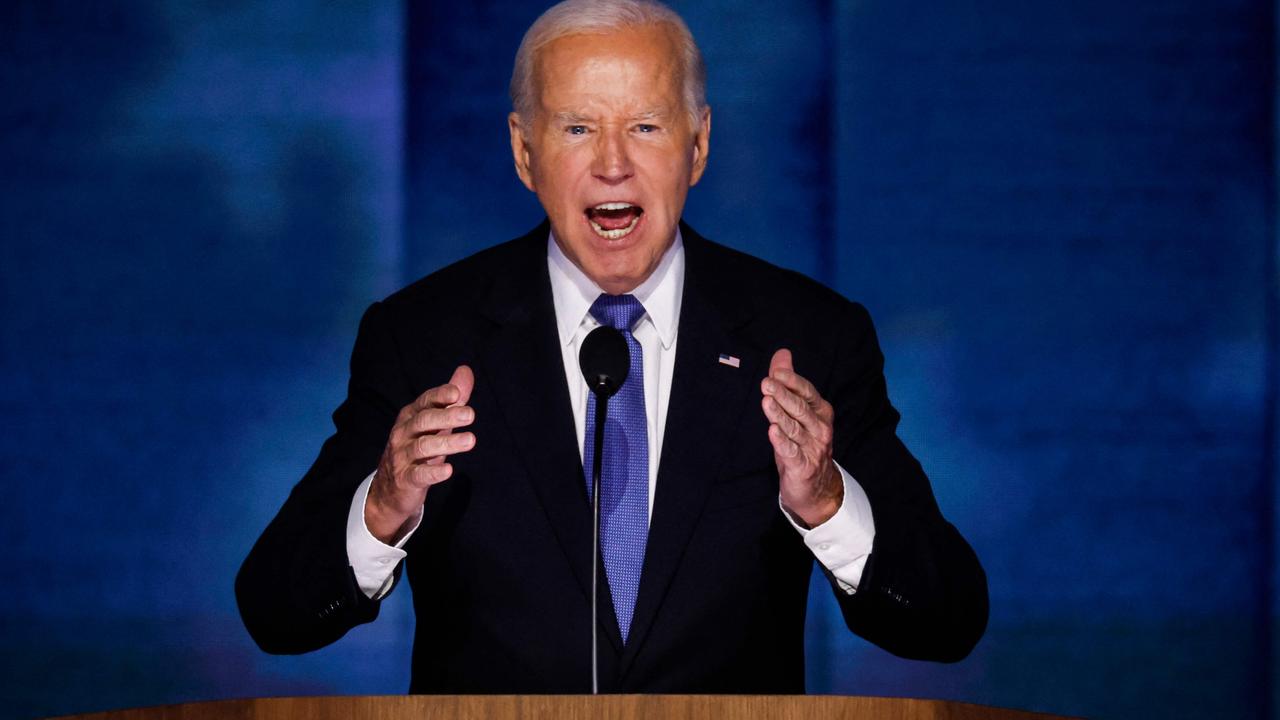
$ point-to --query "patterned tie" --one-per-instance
(624, 474)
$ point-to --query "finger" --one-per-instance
(783, 369)
(441, 419)
(790, 427)
(436, 397)
(456, 392)
(428, 447)
(793, 404)
(781, 360)
(784, 448)
(799, 385)
(814, 417)
(423, 475)
(464, 380)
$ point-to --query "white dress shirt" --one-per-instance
(842, 544)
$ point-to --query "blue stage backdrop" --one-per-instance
(1061, 215)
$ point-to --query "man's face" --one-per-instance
(611, 150)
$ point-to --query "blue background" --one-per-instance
(1061, 215)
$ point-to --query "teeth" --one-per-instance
(613, 206)
(614, 234)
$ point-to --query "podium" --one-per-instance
(571, 707)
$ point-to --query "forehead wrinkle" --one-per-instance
(608, 78)
(662, 68)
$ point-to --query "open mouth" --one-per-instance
(614, 220)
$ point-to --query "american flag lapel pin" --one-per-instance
(729, 360)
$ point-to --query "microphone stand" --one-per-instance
(602, 405)
(604, 359)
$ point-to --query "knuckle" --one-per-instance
(422, 446)
(430, 473)
(426, 474)
(399, 464)
(419, 475)
(438, 419)
(825, 433)
(798, 404)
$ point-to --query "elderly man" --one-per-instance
(753, 431)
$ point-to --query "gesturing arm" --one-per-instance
(296, 590)
(922, 593)
(416, 453)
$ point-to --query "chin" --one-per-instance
(617, 283)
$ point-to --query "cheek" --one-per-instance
(669, 171)
(563, 180)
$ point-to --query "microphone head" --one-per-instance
(605, 360)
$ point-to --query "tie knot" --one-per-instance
(620, 312)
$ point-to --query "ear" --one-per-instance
(520, 150)
(701, 147)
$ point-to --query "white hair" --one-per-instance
(575, 17)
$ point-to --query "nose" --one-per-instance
(612, 162)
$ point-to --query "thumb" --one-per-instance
(464, 380)
(781, 361)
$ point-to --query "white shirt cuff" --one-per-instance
(843, 543)
(373, 561)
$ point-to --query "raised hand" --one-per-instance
(801, 432)
(416, 455)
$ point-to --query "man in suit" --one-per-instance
(765, 440)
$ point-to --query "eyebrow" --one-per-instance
(575, 118)
(570, 117)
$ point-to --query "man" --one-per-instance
(720, 487)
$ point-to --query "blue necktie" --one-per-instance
(624, 475)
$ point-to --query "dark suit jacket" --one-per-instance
(500, 566)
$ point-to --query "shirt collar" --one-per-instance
(572, 292)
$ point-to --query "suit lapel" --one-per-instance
(523, 363)
(707, 400)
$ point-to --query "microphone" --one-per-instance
(605, 362)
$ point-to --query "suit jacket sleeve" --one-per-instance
(923, 593)
(296, 590)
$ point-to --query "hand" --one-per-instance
(801, 432)
(414, 458)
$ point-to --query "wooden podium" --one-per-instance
(571, 707)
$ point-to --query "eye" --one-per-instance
(576, 129)
(643, 128)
